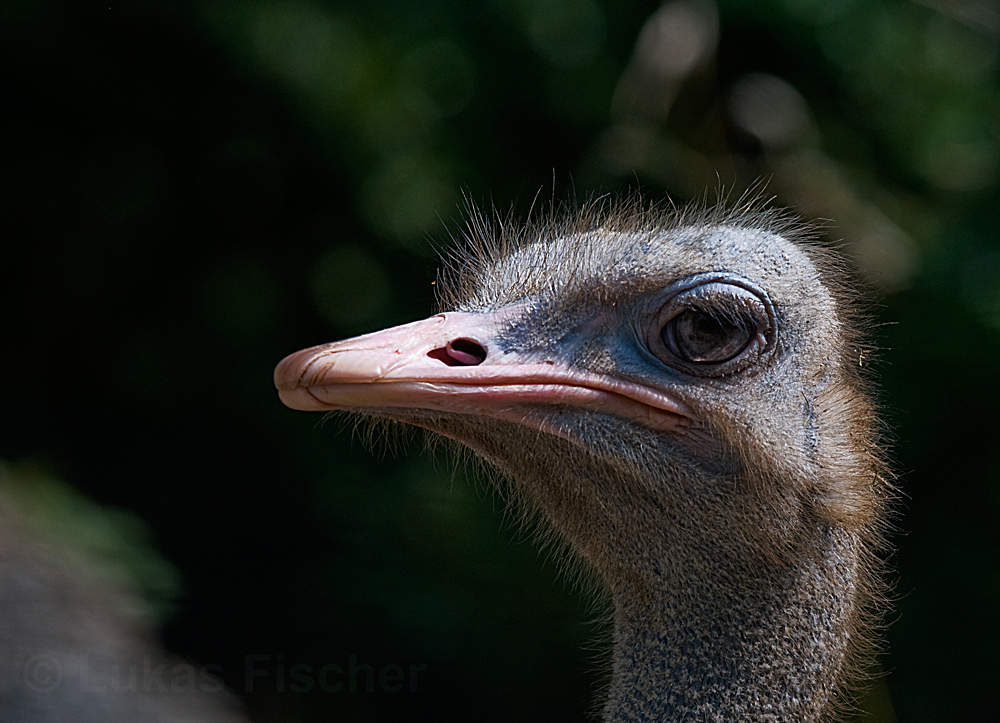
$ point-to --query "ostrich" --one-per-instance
(678, 394)
(74, 644)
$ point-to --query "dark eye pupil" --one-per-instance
(705, 339)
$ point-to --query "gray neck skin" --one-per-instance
(766, 649)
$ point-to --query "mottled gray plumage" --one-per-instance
(732, 517)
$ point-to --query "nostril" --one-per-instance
(460, 353)
(467, 351)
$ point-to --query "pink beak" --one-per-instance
(450, 363)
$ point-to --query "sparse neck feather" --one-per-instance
(769, 647)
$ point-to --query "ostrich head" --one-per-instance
(678, 394)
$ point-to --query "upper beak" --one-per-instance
(452, 363)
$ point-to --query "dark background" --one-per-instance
(192, 190)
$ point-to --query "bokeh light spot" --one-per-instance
(958, 153)
(445, 73)
(677, 38)
(568, 33)
(769, 109)
(400, 118)
(407, 197)
(312, 48)
(349, 287)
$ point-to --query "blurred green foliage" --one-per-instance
(112, 547)
(196, 188)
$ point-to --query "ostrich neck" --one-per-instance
(705, 630)
(767, 649)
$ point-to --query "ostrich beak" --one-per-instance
(452, 363)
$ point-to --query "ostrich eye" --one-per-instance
(702, 338)
(713, 328)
